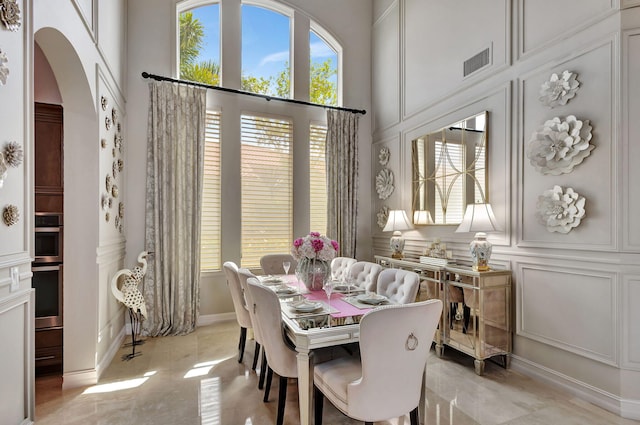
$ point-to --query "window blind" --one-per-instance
(210, 257)
(317, 178)
(266, 187)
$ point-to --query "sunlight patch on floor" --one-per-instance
(209, 400)
(115, 386)
(202, 369)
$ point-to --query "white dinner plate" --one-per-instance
(373, 299)
(343, 288)
(306, 306)
(285, 290)
(272, 280)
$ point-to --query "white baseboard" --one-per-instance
(210, 319)
(629, 409)
(111, 352)
(82, 378)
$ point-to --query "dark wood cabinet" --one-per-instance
(49, 158)
(47, 269)
(48, 353)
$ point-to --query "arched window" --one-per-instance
(266, 51)
(323, 69)
(199, 44)
(250, 146)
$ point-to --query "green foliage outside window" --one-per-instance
(323, 90)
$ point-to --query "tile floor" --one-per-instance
(196, 379)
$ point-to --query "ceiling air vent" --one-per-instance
(478, 61)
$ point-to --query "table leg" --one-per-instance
(305, 386)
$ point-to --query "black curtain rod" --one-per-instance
(264, 96)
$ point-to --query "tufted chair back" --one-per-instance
(272, 263)
(239, 304)
(365, 275)
(386, 381)
(243, 276)
(340, 267)
(400, 286)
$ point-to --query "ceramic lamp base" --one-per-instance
(396, 243)
(480, 249)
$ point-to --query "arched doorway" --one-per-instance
(81, 227)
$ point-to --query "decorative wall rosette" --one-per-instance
(560, 210)
(384, 183)
(382, 216)
(10, 14)
(4, 69)
(558, 90)
(10, 215)
(558, 146)
(383, 156)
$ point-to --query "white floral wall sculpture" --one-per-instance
(384, 183)
(558, 146)
(383, 156)
(4, 68)
(558, 90)
(383, 216)
(560, 211)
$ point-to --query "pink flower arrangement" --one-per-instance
(314, 246)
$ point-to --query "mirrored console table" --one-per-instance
(476, 317)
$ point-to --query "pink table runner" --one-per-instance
(345, 309)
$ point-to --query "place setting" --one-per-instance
(304, 307)
(270, 280)
(367, 300)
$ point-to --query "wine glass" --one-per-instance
(286, 265)
(328, 289)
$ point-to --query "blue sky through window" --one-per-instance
(265, 41)
(209, 16)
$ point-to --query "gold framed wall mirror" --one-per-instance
(449, 170)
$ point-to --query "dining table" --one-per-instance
(336, 322)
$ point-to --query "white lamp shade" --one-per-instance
(397, 221)
(478, 218)
(422, 217)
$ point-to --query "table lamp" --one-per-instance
(422, 217)
(396, 222)
(479, 218)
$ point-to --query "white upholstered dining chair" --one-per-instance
(386, 381)
(340, 267)
(281, 357)
(365, 275)
(243, 276)
(399, 286)
(272, 263)
(239, 305)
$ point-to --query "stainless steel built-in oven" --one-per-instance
(48, 238)
(47, 281)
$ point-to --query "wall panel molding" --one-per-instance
(630, 319)
(388, 88)
(574, 18)
(597, 100)
(630, 131)
(585, 306)
(462, 84)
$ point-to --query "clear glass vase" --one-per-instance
(313, 273)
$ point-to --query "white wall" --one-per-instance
(574, 293)
(16, 296)
(87, 62)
